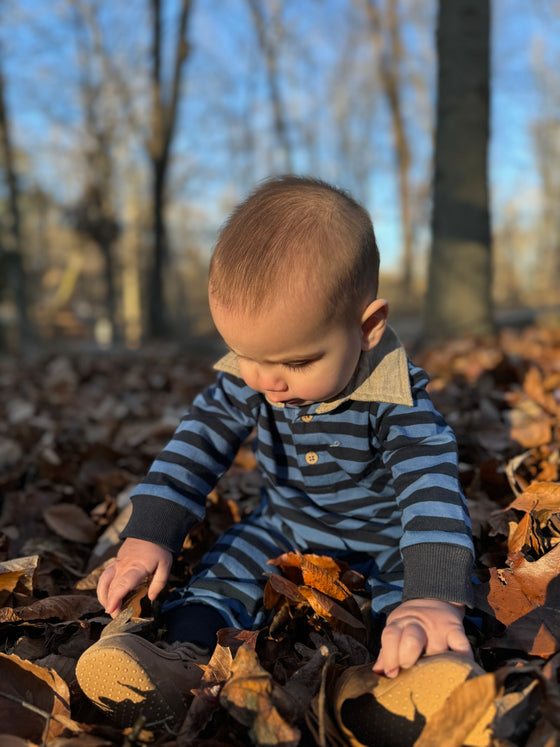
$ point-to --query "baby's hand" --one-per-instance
(420, 625)
(136, 561)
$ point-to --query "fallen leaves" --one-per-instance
(17, 578)
(34, 700)
(316, 581)
(76, 433)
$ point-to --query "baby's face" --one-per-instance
(290, 353)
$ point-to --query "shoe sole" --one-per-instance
(371, 709)
(118, 684)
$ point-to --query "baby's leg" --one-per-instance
(227, 590)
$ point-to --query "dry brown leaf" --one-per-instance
(29, 648)
(542, 496)
(233, 638)
(21, 683)
(269, 728)
(8, 740)
(71, 522)
(328, 609)
(537, 633)
(18, 575)
(83, 740)
(520, 534)
(544, 735)
(247, 696)
(534, 386)
(218, 668)
(536, 534)
(206, 697)
(278, 587)
(306, 681)
(134, 599)
(514, 709)
(63, 607)
(514, 591)
(530, 432)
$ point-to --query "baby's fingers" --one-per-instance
(121, 584)
(104, 583)
(457, 641)
(401, 646)
(159, 579)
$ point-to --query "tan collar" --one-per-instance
(381, 375)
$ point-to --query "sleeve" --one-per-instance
(172, 496)
(420, 450)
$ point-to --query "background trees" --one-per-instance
(136, 127)
(13, 282)
(458, 299)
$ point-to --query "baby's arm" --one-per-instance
(136, 561)
(420, 625)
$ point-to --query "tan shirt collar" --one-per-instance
(381, 375)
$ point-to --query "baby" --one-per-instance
(356, 462)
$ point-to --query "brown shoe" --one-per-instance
(373, 709)
(128, 677)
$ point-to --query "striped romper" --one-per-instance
(370, 478)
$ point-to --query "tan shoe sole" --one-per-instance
(373, 710)
(117, 682)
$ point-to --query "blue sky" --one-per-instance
(37, 48)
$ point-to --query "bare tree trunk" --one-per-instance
(270, 56)
(94, 216)
(546, 135)
(459, 297)
(390, 55)
(13, 256)
(164, 116)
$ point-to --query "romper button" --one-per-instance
(311, 457)
(307, 418)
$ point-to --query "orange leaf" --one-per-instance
(520, 536)
(17, 575)
(515, 591)
(323, 579)
(295, 559)
(542, 496)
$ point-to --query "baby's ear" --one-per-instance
(374, 321)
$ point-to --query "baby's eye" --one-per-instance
(299, 366)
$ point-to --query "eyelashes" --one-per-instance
(297, 366)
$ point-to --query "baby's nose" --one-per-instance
(272, 381)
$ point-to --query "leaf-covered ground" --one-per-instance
(78, 430)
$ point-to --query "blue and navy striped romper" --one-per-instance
(370, 477)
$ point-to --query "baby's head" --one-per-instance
(294, 237)
(292, 289)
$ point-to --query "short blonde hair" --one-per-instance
(295, 232)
